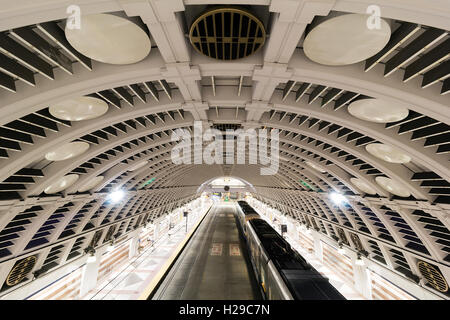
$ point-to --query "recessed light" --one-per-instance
(116, 196)
(338, 198)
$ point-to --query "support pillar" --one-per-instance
(361, 276)
(318, 246)
(134, 243)
(90, 273)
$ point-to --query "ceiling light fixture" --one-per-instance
(116, 195)
(338, 198)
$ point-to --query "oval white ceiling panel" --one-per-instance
(315, 166)
(362, 186)
(393, 186)
(77, 109)
(138, 165)
(377, 110)
(62, 184)
(91, 184)
(110, 39)
(345, 39)
(387, 153)
(67, 151)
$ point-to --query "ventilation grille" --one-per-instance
(227, 34)
(20, 270)
(433, 276)
(96, 238)
(226, 126)
(342, 236)
(357, 242)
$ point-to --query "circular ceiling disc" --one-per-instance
(91, 184)
(376, 110)
(315, 166)
(77, 109)
(67, 151)
(345, 39)
(110, 39)
(387, 153)
(62, 184)
(363, 186)
(138, 165)
(393, 187)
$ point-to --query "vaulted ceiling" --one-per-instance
(325, 144)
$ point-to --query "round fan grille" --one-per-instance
(433, 276)
(227, 34)
(20, 270)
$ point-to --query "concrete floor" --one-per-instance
(214, 265)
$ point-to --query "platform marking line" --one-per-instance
(216, 249)
(234, 249)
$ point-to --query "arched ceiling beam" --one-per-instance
(427, 101)
(342, 174)
(424, 156)
(30, 153)
(396, 172)
(103, 76)
(59, 169)
(24, 12)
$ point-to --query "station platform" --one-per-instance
(214, 265)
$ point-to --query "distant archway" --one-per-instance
(217, 184)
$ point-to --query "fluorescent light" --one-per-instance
(341, 250)
(337, 198)
(116, 195)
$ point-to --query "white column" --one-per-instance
(318, 247)
(134, 243)
(90, 273)
(361, 276)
